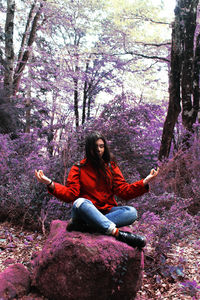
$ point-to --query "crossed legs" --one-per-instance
(85, 211)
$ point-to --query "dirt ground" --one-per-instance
(174, 279)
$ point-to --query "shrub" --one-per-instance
(22, 198)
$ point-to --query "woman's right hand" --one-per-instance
(41, 177)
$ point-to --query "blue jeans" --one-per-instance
(83, 210)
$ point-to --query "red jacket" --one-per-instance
(84, 182)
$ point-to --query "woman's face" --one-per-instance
(100, 147)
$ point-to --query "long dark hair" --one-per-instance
(92, 156)
(91, 150)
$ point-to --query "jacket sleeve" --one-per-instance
(125, 190)
(71, 191)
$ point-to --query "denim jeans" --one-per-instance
(83, 210)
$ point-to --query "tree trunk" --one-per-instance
(85, 94)
(9, 49)
(26, 54)
(28, 105)
(188, 27)
(174, 92)
(25, 35)
(51, 133)
(28, 112)
(89, 106)
(76, 102)
(196, 104)
(84, 102)
(184, 74)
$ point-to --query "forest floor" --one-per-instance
(174, 278)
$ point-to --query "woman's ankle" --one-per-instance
(115, 232)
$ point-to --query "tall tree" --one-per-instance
(184, 73)
(12, 74)
(84, 47)
(9, 48)
(94, 49)
(12, 64)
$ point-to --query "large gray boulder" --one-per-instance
(75, 265)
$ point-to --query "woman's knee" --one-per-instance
(76, 211)
(77, 203)
(133, 212)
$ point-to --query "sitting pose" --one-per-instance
(91, 186)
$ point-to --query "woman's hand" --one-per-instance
(151, 176)
(41, 177)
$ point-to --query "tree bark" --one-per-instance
(89, 107)
(25, 35)
(26, 54)
(174, 107)
(84, 102)
(184, 74)
(196, 100)
(76, 112)
(28, 106)
(28, 112)
(85, 94)
(9, 49)
(188, 21)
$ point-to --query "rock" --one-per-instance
(75, 265)
(14, 282)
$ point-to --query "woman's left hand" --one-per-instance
(151, 176)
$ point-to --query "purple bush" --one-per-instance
(166, 214)
(22, 198)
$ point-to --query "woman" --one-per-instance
(91, 186)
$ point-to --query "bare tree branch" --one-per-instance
(143, 18)
(142, 55)
(148, 56)
(153, 45)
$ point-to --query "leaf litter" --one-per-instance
(171, 276)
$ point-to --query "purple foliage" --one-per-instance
(166, 215)
(22, 198)
(170, 211)
(190, 287)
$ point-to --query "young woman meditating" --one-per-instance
(91, 186)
